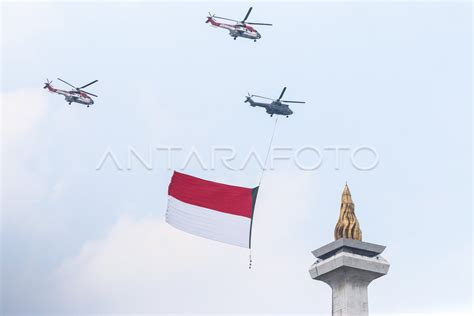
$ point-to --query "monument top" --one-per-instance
(347, 226)
(348, 246)
(348, 264)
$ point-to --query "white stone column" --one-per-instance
(348, 266)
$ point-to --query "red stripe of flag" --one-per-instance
(212, 195)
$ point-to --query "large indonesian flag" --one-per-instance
(211, 210)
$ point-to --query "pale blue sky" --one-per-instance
(393, 76)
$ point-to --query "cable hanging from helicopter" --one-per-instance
(277, 107)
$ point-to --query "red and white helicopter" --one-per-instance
(77, 95)
(241, 29)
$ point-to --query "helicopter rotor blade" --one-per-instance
(259, 96)
(282, 93)
(219, 17)
(88, 84)
(89, 93)
(67, 83)
(247, 15)
(287, 101)
(255, 23)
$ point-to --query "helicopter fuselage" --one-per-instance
(237, 30)
(245, 32)
(274, 107)
(79, 98)
(72, 96)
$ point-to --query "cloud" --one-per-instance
(22, 111)
(22, 114)
(29, 126)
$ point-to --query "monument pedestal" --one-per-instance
(348, 266)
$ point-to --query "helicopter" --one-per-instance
(241, 29)
(277, 106)
(77, 95)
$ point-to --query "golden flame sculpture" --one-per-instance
(347, 226)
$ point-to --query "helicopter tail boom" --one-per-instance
(248, 99)
(210, 19)
(254, 103)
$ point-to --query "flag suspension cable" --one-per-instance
(268, 151)
(261, 176)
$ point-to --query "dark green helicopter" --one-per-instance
(277, 106)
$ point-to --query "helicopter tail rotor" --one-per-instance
(210, 17)
(47, 84)
(248, 98)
